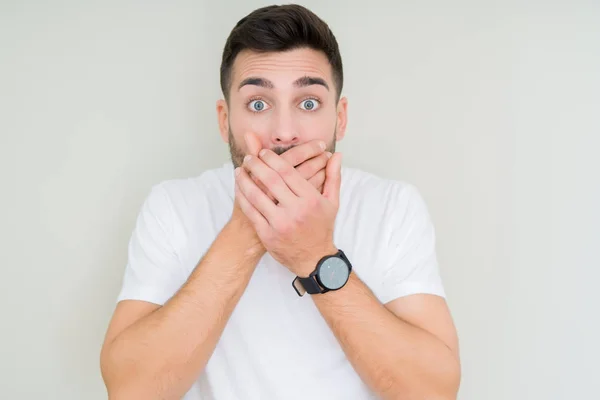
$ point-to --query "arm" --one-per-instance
(148, 351)
(155, 356)
(395, 356)
(404, 350)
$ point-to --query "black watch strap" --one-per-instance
(310, 284)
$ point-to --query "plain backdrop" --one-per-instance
(490, 109)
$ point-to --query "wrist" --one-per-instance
(307, 267)
(244, 236)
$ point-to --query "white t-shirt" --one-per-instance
(276, 345)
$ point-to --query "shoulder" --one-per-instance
(386, 228)
(181, 193)
(388, 195)
(392, 210)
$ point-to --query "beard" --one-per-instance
(237, 154)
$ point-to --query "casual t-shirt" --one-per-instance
(276, 345)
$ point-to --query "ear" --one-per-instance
(342, 118)
(223, 118)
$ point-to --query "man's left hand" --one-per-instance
(298, 231)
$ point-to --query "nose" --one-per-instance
(285, 133)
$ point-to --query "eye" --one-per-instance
(310, 104)
(257, 105)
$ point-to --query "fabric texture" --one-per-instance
(275, 341)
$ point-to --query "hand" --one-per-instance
(310, 161)
(298, 231)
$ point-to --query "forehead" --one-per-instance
(286, 65)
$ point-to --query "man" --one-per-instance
(214, 303)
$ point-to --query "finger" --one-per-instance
(309, 168)
(333, 179)
(297, 155)
(295, 183)
(318, 180)
(270, 178)
(253, 146)
(252, 143)
(264, 189)
(257, 197)
(257, 219)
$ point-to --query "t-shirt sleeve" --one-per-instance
(153, 272)
(411, 266)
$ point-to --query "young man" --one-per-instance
(213, 303)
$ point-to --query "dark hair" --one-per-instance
(281, 28)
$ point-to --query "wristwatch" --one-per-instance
(332, 273)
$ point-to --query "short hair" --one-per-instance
(277, 29)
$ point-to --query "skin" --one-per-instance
(284, 120)
(406, 349)
(286, 201)
(148, 352)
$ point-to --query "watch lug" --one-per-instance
(297, 285)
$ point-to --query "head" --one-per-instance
(282, 78)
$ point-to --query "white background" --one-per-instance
(490, 109)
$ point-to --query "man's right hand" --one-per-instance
(309, 159)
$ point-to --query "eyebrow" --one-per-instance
(300, 82)
(257, 82)
(309, 80)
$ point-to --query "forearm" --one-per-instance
(160, 355)
(396, 359)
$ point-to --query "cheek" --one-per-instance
(318, 127)
(239, 125)
(308, 126)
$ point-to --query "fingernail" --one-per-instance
(328, 154)
(322, 145)
(247, 158)
(262, 152)
(237, 171)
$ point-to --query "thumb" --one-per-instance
(252, 143)
(333, 179)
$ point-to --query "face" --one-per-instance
(285, 98)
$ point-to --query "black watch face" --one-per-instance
(333, 273)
